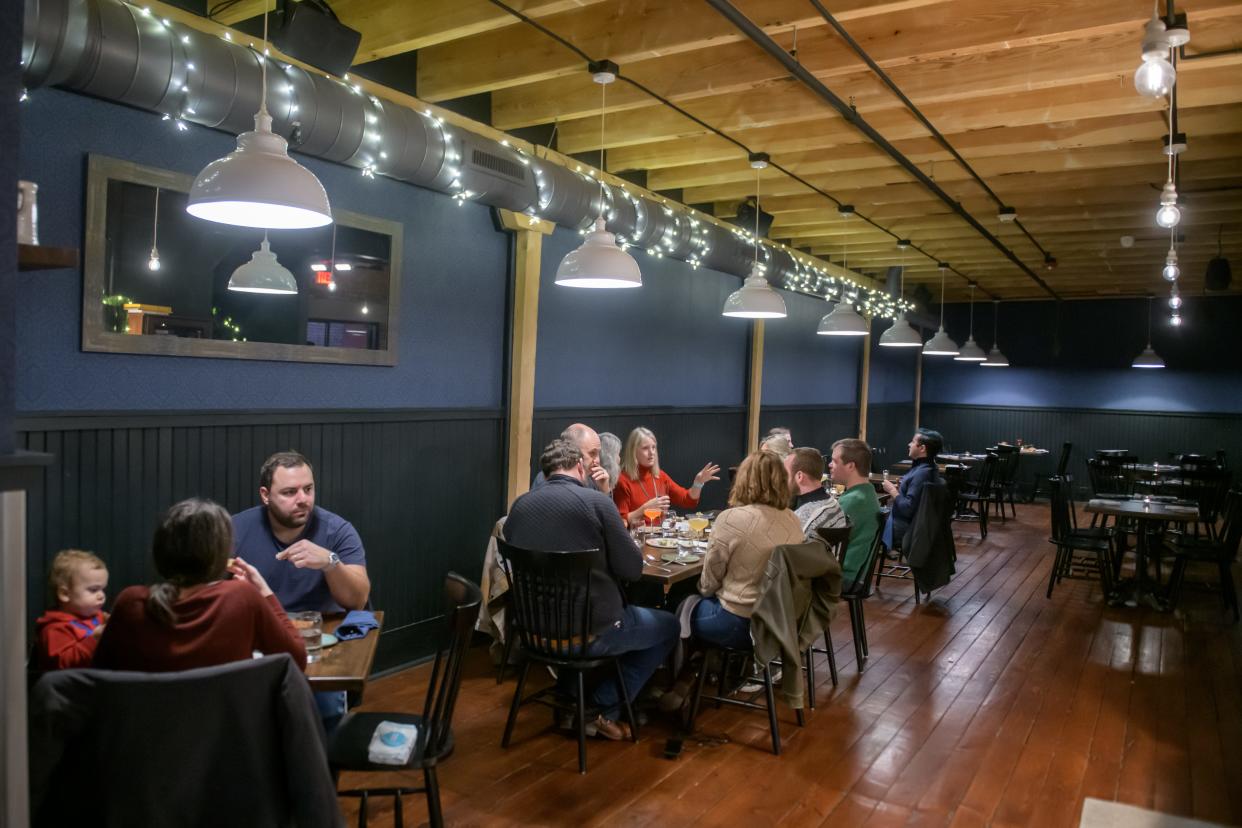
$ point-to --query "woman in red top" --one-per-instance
(642, 485)
(194, 617)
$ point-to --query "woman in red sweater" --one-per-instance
(642, 485)
(194, 617)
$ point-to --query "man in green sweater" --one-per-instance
(851, 466)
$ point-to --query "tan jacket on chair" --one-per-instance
(799, 594)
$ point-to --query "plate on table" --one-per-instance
(662, 543)
(328, 640)
(671, 557)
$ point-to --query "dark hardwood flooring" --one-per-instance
(990, 705)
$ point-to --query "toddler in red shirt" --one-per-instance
(68, 634)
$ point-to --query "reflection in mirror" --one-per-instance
(164, 281)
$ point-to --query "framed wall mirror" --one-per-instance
(159, 281)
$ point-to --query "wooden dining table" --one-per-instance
(346, 664)
(1149, 515)
(666, 573)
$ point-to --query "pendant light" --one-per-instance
(263, 274)
(755, 299)
(1168, 215)
(971, 352)
(1155, 75)
(153, 261)
(258, 184)
(843, 320)
(1149, 358)
(901, 334)
(598, 262)
(941, 344)
(995, 358)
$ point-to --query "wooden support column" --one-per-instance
(918, 389)
(527, 253)
(864, 387)
(754, 388)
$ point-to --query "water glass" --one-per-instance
(310, 626)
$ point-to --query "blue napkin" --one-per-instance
(356, 625)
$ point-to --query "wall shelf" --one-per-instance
(41, 257)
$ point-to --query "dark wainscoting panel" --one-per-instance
(1150, 435)
(688, 438)
(422, 487)
(818, 426)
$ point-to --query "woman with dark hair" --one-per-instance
(195, 616)
(743, 537)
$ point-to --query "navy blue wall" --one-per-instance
(665, 344)
(1077, 355)
(800, 368)
(451, 345)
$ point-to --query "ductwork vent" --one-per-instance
(500, 166)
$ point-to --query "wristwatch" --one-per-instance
(334, 560)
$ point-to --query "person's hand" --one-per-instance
(98, 631)
(890, 487)
(661, 503)
(602, 481)
(707, 474)
(245, 572)
(305, 555)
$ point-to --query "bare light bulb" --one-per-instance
(1168, 215)
(153, 263)
(1155, 78)
(1171, 270)
(1175, 320)
(1175, 301)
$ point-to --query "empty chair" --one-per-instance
(550, 596)
(1005, 479)
(853, 594)
(1067, 540)
(974, 500)
(1064, 460)
(1221, 550)
(434, 742)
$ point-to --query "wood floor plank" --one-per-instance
(989, 705)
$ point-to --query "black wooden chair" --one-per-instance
(856, 591)
(837, 538)
(1098, 543)
(974, 500)
(550, 597)
(1220, 550)
(1005, 479)
(349, 746)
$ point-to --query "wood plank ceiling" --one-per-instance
(1035, 95)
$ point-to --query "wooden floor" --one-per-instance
(991, 705)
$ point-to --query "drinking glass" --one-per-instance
(697, 524)
(310, 626)
(652, 516)
(685, 542)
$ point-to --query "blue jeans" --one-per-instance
(643, 641)
(331, 709)
(714, 624)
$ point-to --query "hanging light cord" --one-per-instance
(758, 170)
(995, 321)
(942, 298)
(603, 99)
(1148, 321)
(263, 63)
(155, 227)
(972, 311)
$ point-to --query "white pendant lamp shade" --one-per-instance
(755, 299)
(995, 359)
(1148, 359)
(259, 185)
(263, 274)
(599, 263)
(971, 352)
(901, 334)
(843, 321)
(941, 345)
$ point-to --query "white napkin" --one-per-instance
(392, 743)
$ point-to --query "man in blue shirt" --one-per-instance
(923, 449)
(311, 558)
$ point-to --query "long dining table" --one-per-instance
(346, 664)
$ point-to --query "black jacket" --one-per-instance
(928, 544)
(906, 504)
(565, 516)
(238, 744)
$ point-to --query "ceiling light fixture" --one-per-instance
(755, 299)
(1156, 75)
(263, 274)
(1148, 358)
(599, 262)
(941, 344)
(843, 320)
(258, 184)
(901, 334)
(995, 358)
(1169, 215)
(153, 262)
(845, 210)
(1171, 270)
(1007, 214)
(971, 352)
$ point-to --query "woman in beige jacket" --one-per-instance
(742, 541)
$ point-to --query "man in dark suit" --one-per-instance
(923, 448)
(565, 515)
